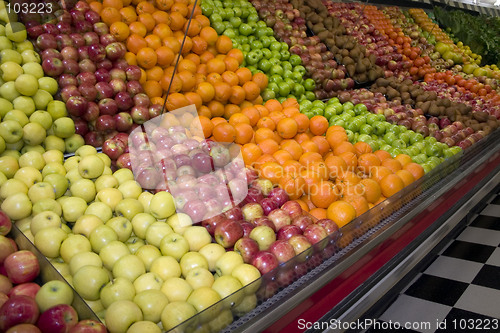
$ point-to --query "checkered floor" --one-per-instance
(460, 290)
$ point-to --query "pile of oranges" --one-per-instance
(208, 73)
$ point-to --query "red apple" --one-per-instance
(302, 221)
(300, 243)
(29, 289)
(252, 211)
(279, 195)
(288, 231)
(24, 328)
(88, 326)
(268, 205)
(315, 233)
(212, 222)
(5, 224)
(18, 310)
(265, 261)
(234, 213)
(228, 232)
(280, 218)
(247, 248)
(247, 228)
(263, 220)
(6, 248)
(328, 225)
(292, 208)
(22, 266)
(282, 250)
(58, 319)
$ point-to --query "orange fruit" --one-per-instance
(252, 90)
(283, 156)
(302, 122)
(293, 147)
(224, 132)
(336, 138)
(320, 168)
(371, 190)
(359, 203)
(336, 165)
(273, 105)
(367, 161)
(392, 164)
(323, 194)
(268, 146)
(319, 213)
(110, 15)
(261, 80)
(379, 172)
(361, 148)
(135, 43)
(344, 147)
(287, 128)
(118, 4)
(318, 125)
(382, 155)
(244, 133)
(209, 35)
(250, 152)
(406, 176)
(322, 144)
(244, 75)
(415, 169)
(341, 212)
(272, 171)
(391, 184)
(293, 185)
(223, 44)
(404, 159)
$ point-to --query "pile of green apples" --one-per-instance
(30, 117)
(126, 251)
(239, 21)
(362, 125)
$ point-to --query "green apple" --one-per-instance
(176, 289)
(53, 293)
(148, 281)
(24, 46)
(30, 56)
(17, 206)
(53, 168)
(248, 303)
(222, 320)
(123, 175)
(110, 196)
(3, 146)
(50, 85)
(140, 224)
(73, 208)
(34, 69)
(156, 232)
(25, 104)
(28, 148)
(145, 200)
(18, 116)
(112, 252)
(95, 306)
(144, 326)
(106, 181)
(134, 243)
(230, 287)
(101, 210)
(33, 159)
(212, 252)
(27, 84)
(8, 166)
(49, 240)
(85, 224)
(11, 131)
(33, 134)
(148, 253)
(5, 106)
(128, 208)
(52, 142)
(58, 182)
(162, 205)
(3, 178)
(5, 43)
(152, 302)
(249, 277)
(105, 158)
(101, 236)
(121, 315)
(174, 245)
(121, 226)
(199, 277)
(85, 151)
(8, 91)
(11, 71)
(56, 109)
(130, 189)
(89, 280)
(83, 188)
(40, 191)
(72, 162)
(115, 290)
(11, 187)
(90, 166)
(16, 31)
(180, 222)
(41, 100)
(84, 259)
(47, 205)
(74, 142)
(63, 127)
(165, 267)
(44, 220)
(176, 313)
(74, 244)
(197, 237)
(227, 262)
(129, 266)
(55, 156)
(204, 298)
(192, 260)
(24, 224)
(9, 55)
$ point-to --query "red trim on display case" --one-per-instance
(318, 304)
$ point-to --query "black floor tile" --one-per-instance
(437, 289)
(488, 276)
(459, 320)
(496, 201)
(469, 251)
(384, 327)
(487, 222)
